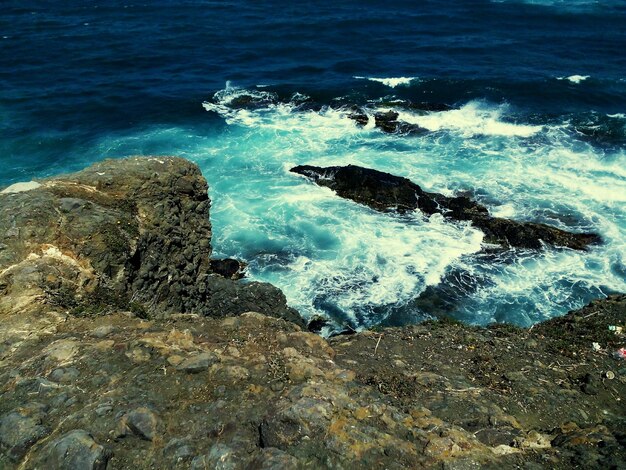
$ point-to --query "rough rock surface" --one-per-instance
(385, 192)
(273, 396)
(254, 391)
(123, 234)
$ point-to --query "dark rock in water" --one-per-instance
(250, 297)
(359, 116)
(378, 190)
(386, 192)
(388, 122)
(430, 107)
(20, 429)
(440, 300)
(316, 324)
(76, 450)
(229, 268)
(252, 101)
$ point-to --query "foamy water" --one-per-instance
(337, 258)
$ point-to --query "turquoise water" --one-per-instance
(335, 257)
(537, 131)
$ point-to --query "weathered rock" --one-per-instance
(388, 122)
(22, 428)
(64, 375)
(142, 422)
(221, 457)
(75, 450)
(228, 268)
(198, 363)
(130, 234)
(359, 116)
(178, 450)
(386, 192)
(275, 459)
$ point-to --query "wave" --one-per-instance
(333, 257)
(390, 82)
(575, 78)
(474, 118)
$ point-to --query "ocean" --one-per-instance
(524, 103)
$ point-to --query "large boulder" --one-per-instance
(129, 234)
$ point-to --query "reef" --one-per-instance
(386, 192)
(124, 345)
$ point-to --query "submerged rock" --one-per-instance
(388, 122)
(387, 192)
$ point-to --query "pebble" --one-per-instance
(198, 363)
(143, 423)
(103, 331)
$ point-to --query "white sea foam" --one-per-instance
(379, 260)
(391, 82)
(575, 78)
(325, 251)
(617, 115)
(504, 210)
(475, 118)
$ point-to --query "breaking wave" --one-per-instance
(336, 258)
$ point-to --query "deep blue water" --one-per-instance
(538, 133)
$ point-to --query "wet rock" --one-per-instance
(316, 324)
(75, 450)
(198, 363)
(22, 428)
(386, 192)
(388, 122)
(359, 116)
(228, 268)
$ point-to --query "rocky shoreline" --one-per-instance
(125, 346)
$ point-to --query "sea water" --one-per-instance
(535, 129)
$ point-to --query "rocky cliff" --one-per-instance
(123, 348)
(131, 233)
